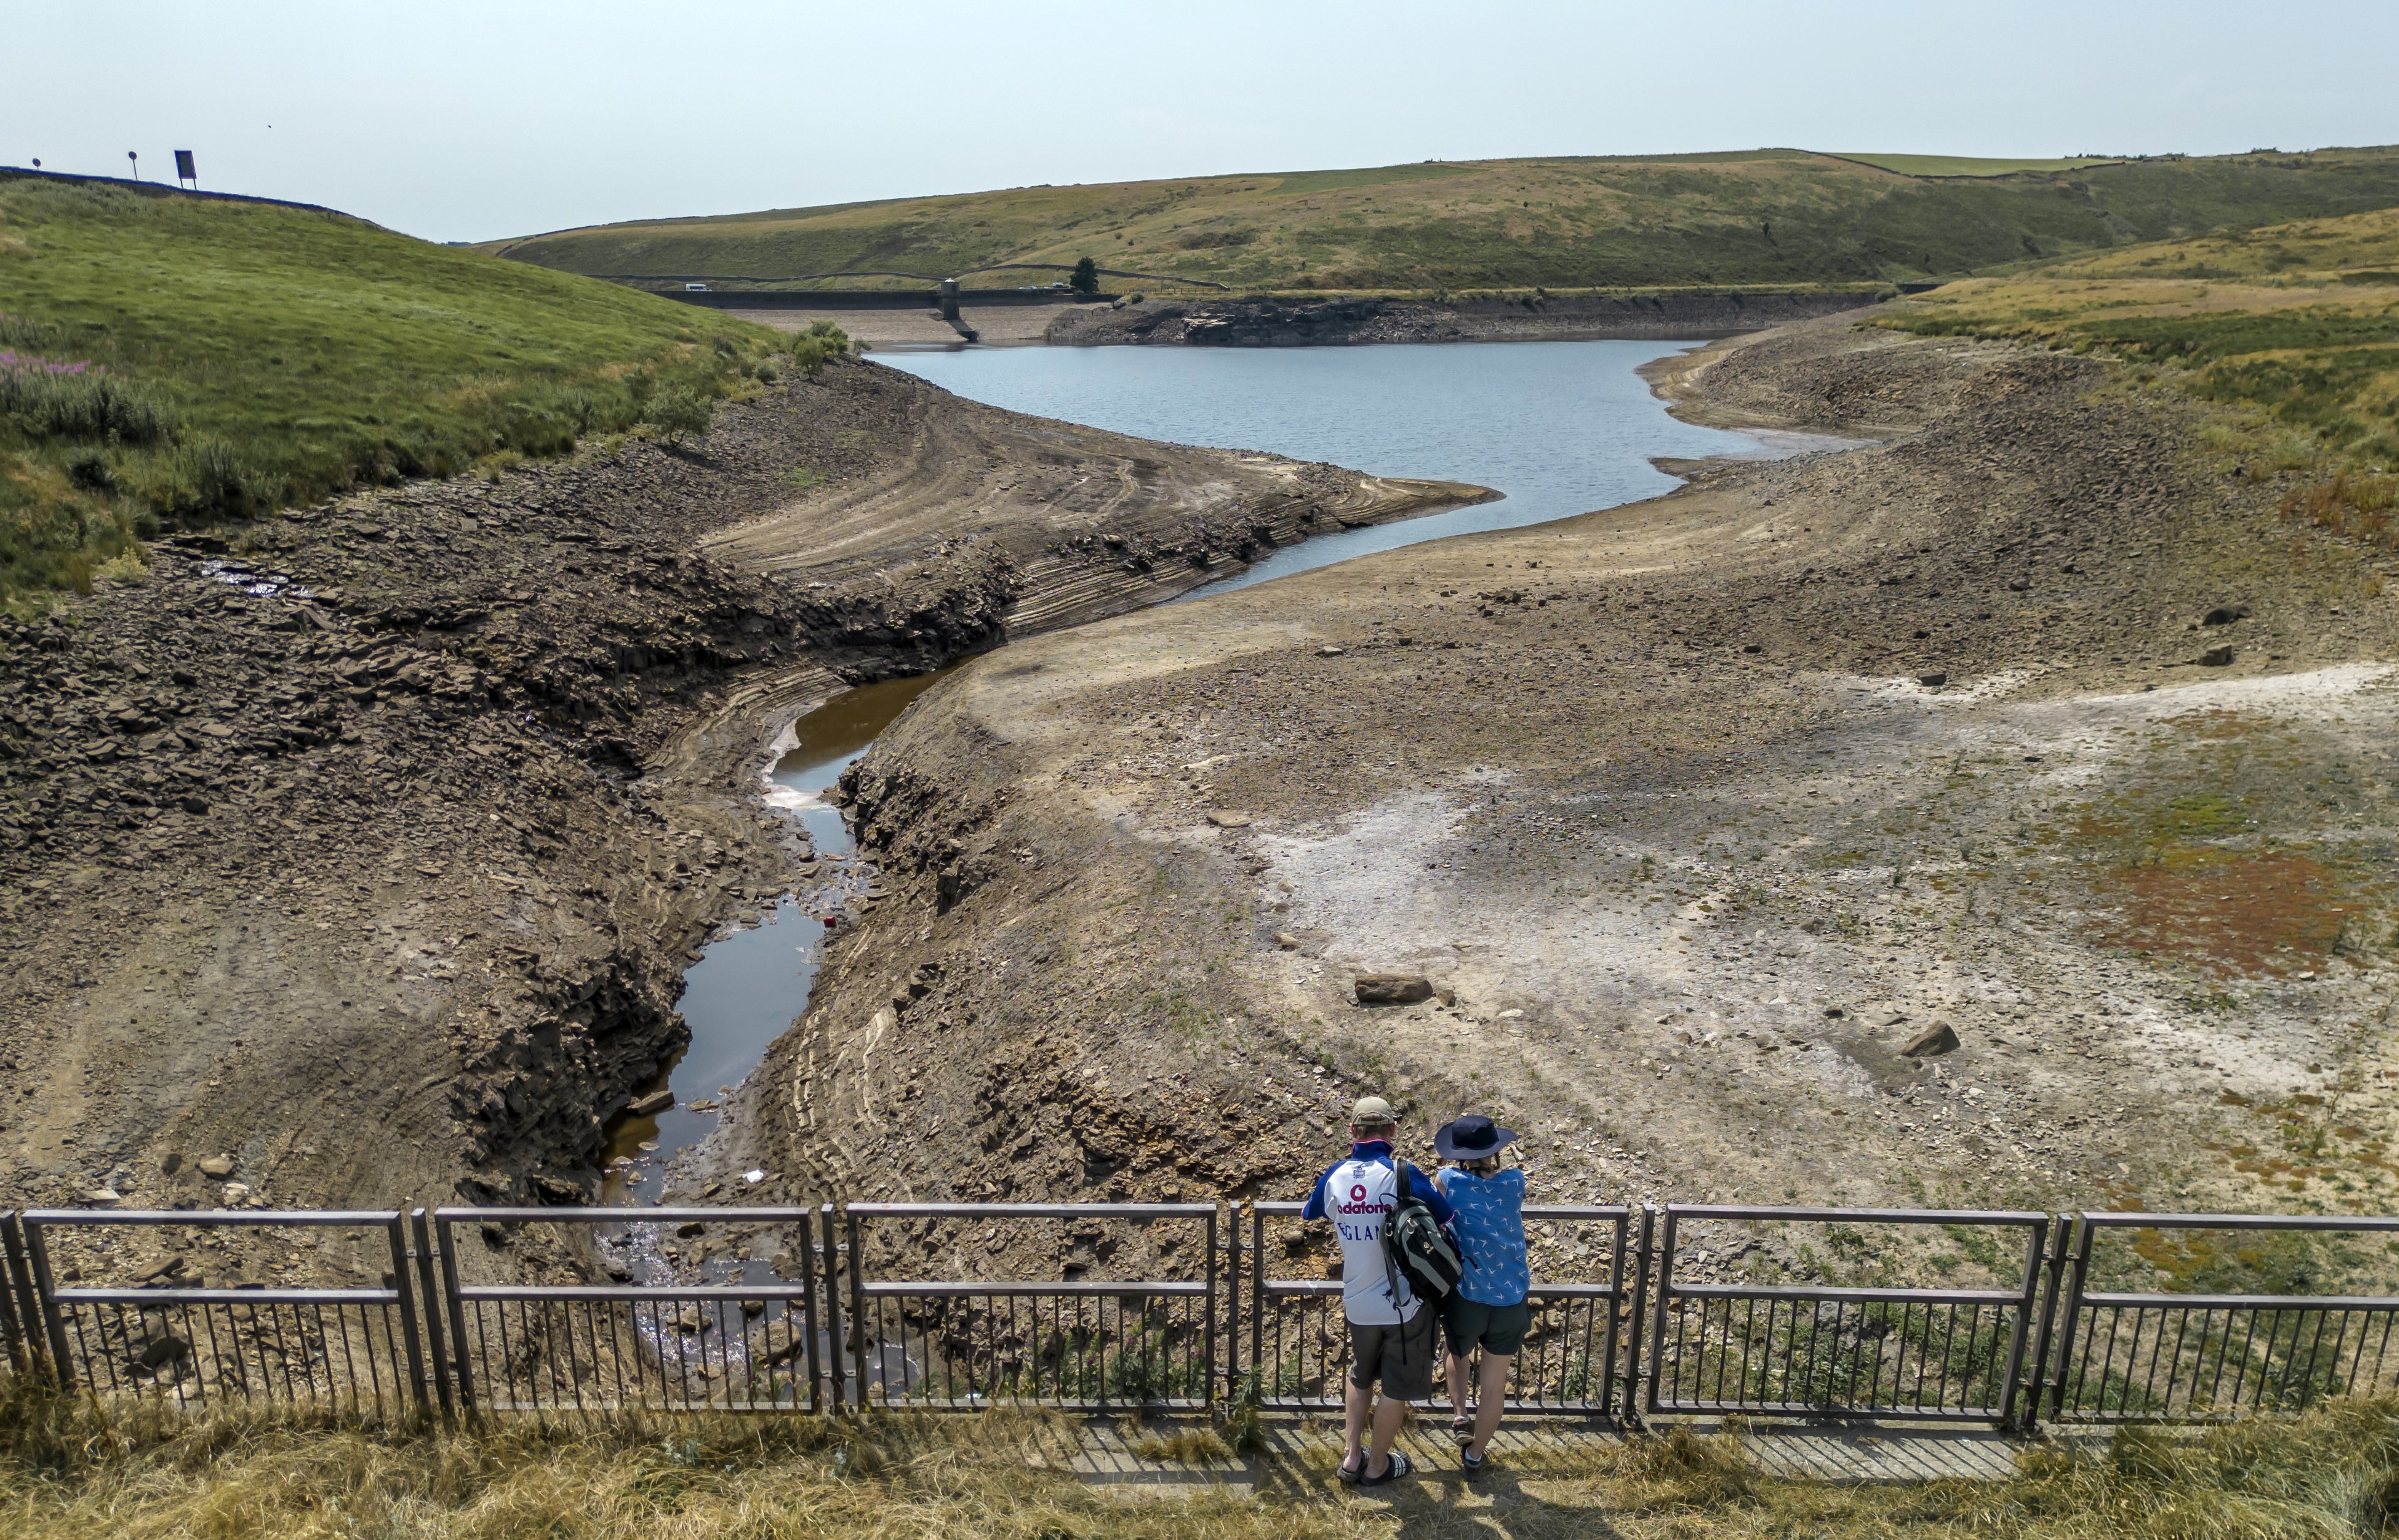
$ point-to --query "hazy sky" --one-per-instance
(465, 121)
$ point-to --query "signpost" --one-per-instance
(184, 171)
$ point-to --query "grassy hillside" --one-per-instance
(2294, 328)
(1756, 217)
(2297, 322)
(165, 357)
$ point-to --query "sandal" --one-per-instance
(1348, 1477)
(1397, 1467)
(1471, 1463)
(1461, 1428)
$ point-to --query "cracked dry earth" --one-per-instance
(355, 857)
(1699, 811)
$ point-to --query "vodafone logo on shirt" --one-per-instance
(1359, 1204)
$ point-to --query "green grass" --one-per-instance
(263, 355)
(1974, 165)
(2263, 321)
(1763, 218)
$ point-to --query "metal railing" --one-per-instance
(1571, 1362)
(1103, 1307)
(2203, 1356)
(744, 1344)
(354, 1349)
(1076, 1343)
(1818, 1350)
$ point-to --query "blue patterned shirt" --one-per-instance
(1490, 1232)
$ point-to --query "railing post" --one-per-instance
(1208, 1380)
(457, 1304)
(25, 1355)
(2028, 1306)
(428, 1292)
(1640, 1317)
(810, 1312)
(1608, 1386)
(1259, 1298)
(1232, 1301)
(396, 1233)
(45, 1296)
(2066, 1301)
(1658, 1302)
(858, 1307)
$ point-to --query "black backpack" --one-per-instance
(1414, 1246)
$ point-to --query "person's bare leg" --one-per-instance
(1356, 1402)
(1494, 1399)
(1456, 1385)
(1390, 1412)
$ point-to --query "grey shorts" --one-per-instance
(1498, 1330)
(1400, 1355)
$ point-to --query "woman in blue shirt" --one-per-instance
(1489, 1308)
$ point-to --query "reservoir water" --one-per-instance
(1561, 428)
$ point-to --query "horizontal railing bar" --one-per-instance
(2239, 1302)
(1821, 1409)
(1033, 1210)
(632, 1292)
(1864, 1216)
(1539, 1290)
(226, 1296)
(780, 1215)
(893, 1288)
(1806, 1292)
(2112, 1221)
(52, 1217)
(1577, 1210)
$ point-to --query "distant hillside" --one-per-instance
(2293, 326)
(1755, 217)
(167, 356)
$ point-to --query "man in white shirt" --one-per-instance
(1390, 1330)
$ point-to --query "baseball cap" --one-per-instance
(1371, 1110)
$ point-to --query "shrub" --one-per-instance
(45, 400)
(677, 410)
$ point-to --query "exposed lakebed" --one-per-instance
(1558, 427)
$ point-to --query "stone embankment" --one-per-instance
(1313, 323)
(357, 854)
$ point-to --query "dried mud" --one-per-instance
(1701, 808)
(359, 858)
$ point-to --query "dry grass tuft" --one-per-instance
(69, 1470)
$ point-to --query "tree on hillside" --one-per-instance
(1087, 277)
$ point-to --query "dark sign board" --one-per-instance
(184, 171)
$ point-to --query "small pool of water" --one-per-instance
(749, 984)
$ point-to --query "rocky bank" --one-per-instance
(354, 857)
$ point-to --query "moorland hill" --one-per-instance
(1762, 217)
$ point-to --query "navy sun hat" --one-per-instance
(1472, 1137)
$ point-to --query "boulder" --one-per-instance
(650, 1105)
(2225, 614)
(217, 1166)
(1932, 680)
(2215, 657)
(1286, 940)
(1229, 820)
(1393, 989)
(1933, 1041)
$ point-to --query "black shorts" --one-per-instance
(1498, 1330)
(1400, 1355)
